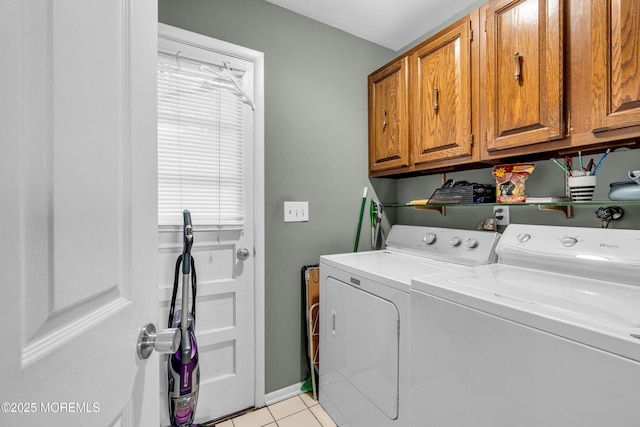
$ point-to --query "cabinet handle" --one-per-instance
(384, 119)
(516, 65)
(435, 99)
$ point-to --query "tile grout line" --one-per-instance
(317, 419)
(293, 413)
(276, 421)
(307, 409)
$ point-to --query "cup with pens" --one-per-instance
(581, 181)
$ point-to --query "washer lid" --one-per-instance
(602, 314)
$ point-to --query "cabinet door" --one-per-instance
(441, 97)
(523, 73)
(388, 133)
(615, 58)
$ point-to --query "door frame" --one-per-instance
(258, 189)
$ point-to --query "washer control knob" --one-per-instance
(568, 241)
(523, 237)
(455, 241)
(429, 239)
(471, 243)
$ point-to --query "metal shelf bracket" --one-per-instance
(568, 210)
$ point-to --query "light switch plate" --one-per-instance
(296, 211)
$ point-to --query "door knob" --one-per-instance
(243, 253)
(165, 341)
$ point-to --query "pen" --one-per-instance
(561, 166)
(589, 166)
(604, 156)
(580, 159)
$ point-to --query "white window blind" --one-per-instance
(200, 145)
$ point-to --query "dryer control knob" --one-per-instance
(455, 241)
(568, 241)
(429, 238)
(471, 243)
(523, 237)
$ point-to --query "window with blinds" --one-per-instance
(200, 145)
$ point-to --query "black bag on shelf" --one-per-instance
(463, 192)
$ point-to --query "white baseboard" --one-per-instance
(283, 393)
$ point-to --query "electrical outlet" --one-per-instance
(296, 211)
(501, 215)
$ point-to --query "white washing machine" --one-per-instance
(548, 336)
(364, 319)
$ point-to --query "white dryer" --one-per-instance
(365, 321)
(548, 336)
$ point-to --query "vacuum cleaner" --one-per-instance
(183, 370)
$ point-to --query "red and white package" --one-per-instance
(510, 182)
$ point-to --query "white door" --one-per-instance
(225, 321)
(78, 255)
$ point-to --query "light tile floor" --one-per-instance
(298, 411)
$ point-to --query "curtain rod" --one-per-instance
(179, 56)
(226, 72)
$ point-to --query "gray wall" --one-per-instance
(315, 144)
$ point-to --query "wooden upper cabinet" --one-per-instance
(440, 96)
(388, 125)
(615, 62)
(524, 72)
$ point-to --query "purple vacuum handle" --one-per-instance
(186, 269)
(188, 242)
